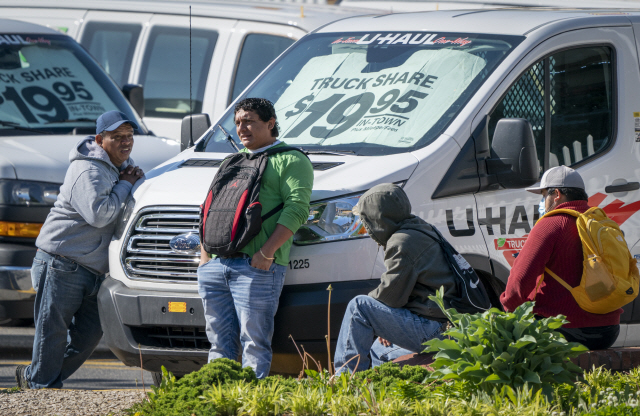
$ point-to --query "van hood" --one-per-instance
(176, 183)
(46, 158)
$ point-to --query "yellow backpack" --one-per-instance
(610, 275)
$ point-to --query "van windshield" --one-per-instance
(49, 84)
(372, 93)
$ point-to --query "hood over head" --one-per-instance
(382, 210)
(88, 149)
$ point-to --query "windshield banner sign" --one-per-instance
(41, 85)
(342, 98)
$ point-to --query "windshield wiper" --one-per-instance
(17, 126)
(229, 138)
(71, 120)
(329, 152)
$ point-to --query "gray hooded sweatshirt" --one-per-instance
(416, 265)
(82, 221)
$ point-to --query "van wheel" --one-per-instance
(494, 287)
(157, 378)
(16, 322)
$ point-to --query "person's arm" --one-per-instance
(296, 183)
(94, 199)
(276, 240)
(397, 283)
(530, 263)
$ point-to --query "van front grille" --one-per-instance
(147, 254)
(171, 337)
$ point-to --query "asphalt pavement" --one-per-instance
(102, 371)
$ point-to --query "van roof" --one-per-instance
(305, 16)
(18, 27)
(498, 21)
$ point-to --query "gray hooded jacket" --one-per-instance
(416, 265)
(82, 221)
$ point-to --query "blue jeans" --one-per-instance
(366, 319)
(66, 315)
(240, 302)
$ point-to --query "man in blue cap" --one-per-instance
(71, 260)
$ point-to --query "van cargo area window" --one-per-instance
(258, 51)
(165, 70)
(373, 93)
(50, 84)
(569, 106)
(99, 39)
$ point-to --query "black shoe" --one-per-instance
(21, 379)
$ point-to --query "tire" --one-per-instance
(157, 378)
(16, 322)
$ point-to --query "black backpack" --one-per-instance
(231, 214)
(471, 295)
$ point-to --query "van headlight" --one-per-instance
(28, 193)
(330, 221)
(124, 217)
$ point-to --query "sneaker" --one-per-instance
(21, 378)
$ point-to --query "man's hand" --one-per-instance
(261, 262)
(384, 342)
(131, 174)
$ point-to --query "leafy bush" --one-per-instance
(182, 397)
(389, 373)
(496, 348)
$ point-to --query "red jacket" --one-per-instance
(553, 242)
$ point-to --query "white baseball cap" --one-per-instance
(558, 177)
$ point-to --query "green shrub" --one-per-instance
(496, 348)
(389, 373)
(182, 397)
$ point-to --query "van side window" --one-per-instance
(99, 39)
(164, 72)
(258, 50)
(576, 121)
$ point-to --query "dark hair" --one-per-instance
(572, 194)
(263, 108)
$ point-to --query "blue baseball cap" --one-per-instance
(111, 120)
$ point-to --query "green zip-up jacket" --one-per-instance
(288, 179)
(416, 265)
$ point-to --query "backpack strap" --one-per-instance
(558, 279)
(272, 212)
(562, 211)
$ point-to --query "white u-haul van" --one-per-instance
(463, 108)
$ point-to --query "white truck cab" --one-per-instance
(51, 92)
(464, 109)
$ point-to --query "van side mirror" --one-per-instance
(193, 126)
(513, 154)
(135, 95)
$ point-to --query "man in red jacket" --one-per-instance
(554, 243)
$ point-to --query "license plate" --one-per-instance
(177, 306)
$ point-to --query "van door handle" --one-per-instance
(630, 186)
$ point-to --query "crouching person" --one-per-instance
(554, 245)
(398, 311)
(71, 260)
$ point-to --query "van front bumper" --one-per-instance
(140, 330)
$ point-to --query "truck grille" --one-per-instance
(147, 254)
(171, 337)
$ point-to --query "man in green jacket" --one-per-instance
(398, 311)
(240, 293)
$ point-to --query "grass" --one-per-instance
(223, 388)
